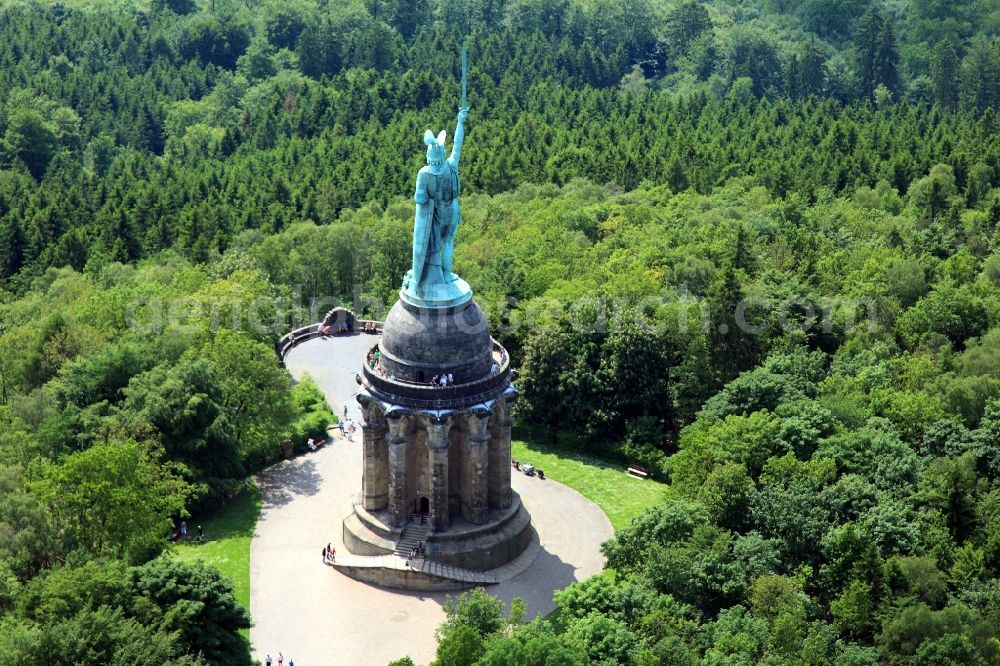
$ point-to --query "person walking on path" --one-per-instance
(281, 659)
(267, 660)
(184, 528)
(201, 533)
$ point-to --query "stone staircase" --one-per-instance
(396, 572)
(458, 574)
(414, 532)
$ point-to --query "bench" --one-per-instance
(318, 442)
(638, 472)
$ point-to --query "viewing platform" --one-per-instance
(465, 391)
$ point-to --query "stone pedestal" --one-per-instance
(439, 454)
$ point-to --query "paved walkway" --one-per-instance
(316, 615)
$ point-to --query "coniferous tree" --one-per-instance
(792, 78)
(11, 248)
(878, 57)
(406, 15)
(319, 53)
(979, 86)
(684, 24)
(730, 335)
(812, 71)
(944, 74)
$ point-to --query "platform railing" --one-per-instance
(440, 397)
(296, 337)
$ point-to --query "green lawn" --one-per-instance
(228, 531)
(621, 496)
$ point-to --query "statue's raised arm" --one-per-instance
(456, 148)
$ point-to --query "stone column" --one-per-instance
(499, 466)
(375, 476)
(477, 503)
(398, 508)
(437, 458)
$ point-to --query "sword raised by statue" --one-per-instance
(465, 75)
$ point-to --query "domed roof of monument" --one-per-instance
(418, 343)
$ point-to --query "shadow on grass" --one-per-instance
(237, 518)
(601, 479)
(571, 449)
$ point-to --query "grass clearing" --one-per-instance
(619, 495)
(228, 531)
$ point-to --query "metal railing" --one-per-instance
(414, 394)
(310, 332)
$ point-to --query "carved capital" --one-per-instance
(437, 435)
(478, 422)
(398, 424)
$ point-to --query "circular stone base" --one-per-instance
(464, 545)
(454, 291)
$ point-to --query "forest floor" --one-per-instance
(619, 495)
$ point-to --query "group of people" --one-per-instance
(342, 327)
(373, 358)
(369, 327)
(516, 464)
(329, 554)
(444, 379)
(181, 532)
(347, 429)
(281, 660)
(415, 551)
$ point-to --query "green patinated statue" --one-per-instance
(430, 281)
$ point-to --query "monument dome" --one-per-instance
(419, 342)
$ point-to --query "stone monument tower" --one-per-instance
(437, 463)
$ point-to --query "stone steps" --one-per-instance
(412, 535)
(457, 573)
(422, 564)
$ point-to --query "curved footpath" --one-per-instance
(314, 614)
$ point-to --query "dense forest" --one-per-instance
(752, 244)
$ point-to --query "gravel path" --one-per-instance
(317, 616)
